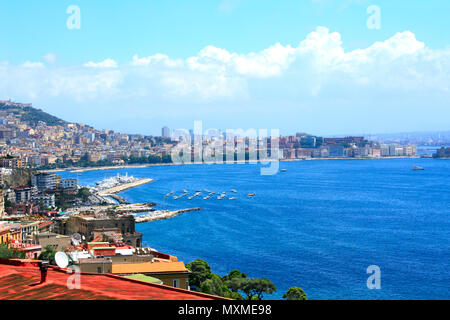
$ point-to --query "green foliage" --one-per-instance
(32, 115)
(214, 285)
(234, 274)
(84, 194)
(201, 271)
(230, 285)
(6, 253)
(255, 288)
(48, 254)
(295, 293)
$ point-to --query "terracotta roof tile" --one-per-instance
(19, 283)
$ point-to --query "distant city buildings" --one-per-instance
(443, 152)
(165, 132)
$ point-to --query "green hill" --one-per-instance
(28, 114)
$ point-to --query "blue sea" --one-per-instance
(318, 226)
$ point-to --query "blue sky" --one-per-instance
(305, 65)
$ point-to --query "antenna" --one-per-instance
(61, 260)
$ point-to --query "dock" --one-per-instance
(162, 214)
(123, 187)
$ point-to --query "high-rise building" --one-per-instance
(44, 181)
(165, 132)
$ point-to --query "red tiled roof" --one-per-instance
(18, 282)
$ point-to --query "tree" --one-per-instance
(234, 274)
(255, 288)
(295, 293)
(48, 254)
(214, 285)
(84, 193)
(201, 271)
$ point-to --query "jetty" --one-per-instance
(132, 208)
(123, 187)
(162, 214)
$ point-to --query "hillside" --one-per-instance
(28, 114)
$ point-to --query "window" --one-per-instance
(99, 270)
(176, 283)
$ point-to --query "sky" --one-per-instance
(325, 67)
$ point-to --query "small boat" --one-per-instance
(283, 170)
(169, 194)
(251, 194)
(232, 198)
(185, 191)
(232, 190)
(417, 168)
(206, 198)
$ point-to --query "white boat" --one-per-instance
(417, 168)
(206, 198)
(169, 194)
(232, 190)
(283, 170)
(232, 198)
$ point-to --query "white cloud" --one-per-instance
(50, 58)
(157, 59)
(29, 64)
(108, 63)
(316, 66)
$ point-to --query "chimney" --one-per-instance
(43, 266)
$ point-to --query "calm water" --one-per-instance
(318, 226)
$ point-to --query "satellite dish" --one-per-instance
(61, 260)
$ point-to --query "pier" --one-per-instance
(123, 187)
(162, 214)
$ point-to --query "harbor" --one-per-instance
(162, 214)
(116, 185)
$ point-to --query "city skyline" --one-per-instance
(317, 68)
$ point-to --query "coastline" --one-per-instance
(79, 170)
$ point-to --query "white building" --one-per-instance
(47, 201)
(69, 183)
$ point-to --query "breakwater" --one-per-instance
(162, 214)
(123, 187)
